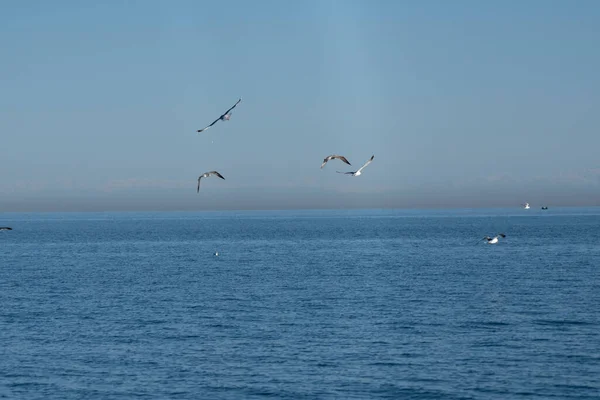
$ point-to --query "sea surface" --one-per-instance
(347, 304)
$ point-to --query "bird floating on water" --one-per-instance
(526, 206)
(216, 254)
(494, 240)
(206, 175)
(357, 173)
(5, 228)
(224, 117)
(333, 156)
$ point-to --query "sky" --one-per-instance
(463, 104)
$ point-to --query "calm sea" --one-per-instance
(359, 304)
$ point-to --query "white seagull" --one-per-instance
(224, 117)
(526, 206)
(494, 240)
(357, 173)
(333, 156)
(5, 228)
(206, 175)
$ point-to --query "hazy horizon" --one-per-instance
(463, 105)
(186, 199)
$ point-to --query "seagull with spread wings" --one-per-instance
(333, 156)
(357, 173)
(206, 175)
(225, 117)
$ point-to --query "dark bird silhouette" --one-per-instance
(224, 117)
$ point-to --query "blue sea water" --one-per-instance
(353, 304)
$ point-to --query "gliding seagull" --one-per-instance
(526, 206)
(357, 173)
(225, 117)
(206, 175)
(494, 240)
(331, 157)
(5, 228)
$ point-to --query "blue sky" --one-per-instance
(463, 104)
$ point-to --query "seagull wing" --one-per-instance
(367, 163)
(325, 160)
(344, 159)
(214, 122)
(347, 173)
(198, 188)
(217, 174)
(227, 112)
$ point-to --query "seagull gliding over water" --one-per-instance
(494, 240)
(224, 117)
(206, 175)
(357, 173)
(331, 157)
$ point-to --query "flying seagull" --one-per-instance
(494, 240)
(331, 157)
(5, 228)
(357, 173)
(225, 117)
(526, 206)
(206, 175)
